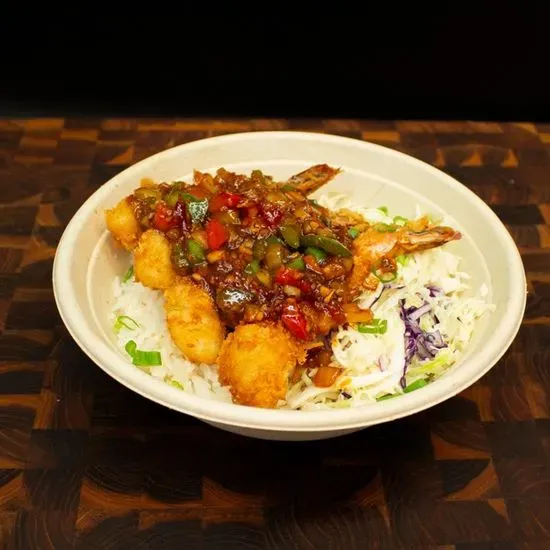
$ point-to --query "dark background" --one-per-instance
(448, 61)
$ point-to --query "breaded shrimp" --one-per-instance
(193, 321)
(373, 245)
(122, 223)
(152, 261)
(256, 362)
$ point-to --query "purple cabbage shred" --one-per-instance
(418, 342)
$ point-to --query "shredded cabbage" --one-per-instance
(417, 347)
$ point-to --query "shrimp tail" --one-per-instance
(313, 178)
(411, 242)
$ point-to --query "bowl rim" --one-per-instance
(111, 362)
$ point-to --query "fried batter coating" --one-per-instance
(193, 321)
(122, 223)
(152, 261)
(256, 362)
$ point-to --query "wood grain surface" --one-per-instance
(87, 464)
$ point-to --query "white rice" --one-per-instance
(146, 307)
(373, 363)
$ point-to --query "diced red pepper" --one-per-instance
(287, 276)
(165, 218)
(271, 213)
(197, 192)
(225, 198)
(295, 322)
(216, 234)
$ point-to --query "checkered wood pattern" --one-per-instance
(87, 464)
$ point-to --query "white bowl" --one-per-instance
(86, 263)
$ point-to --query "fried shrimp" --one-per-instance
(152, 261)
(193, 321)
(122, 223)
(256, 362)
(373, 247)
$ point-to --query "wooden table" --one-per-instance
(85, 463)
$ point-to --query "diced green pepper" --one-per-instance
(291, 235)
(273, 239)
(328, 244)
(196, 252)
(319, 254)
(264, 277)
(353, 233)
(172, 198)
(259, 249)
(252, 268)
(275, 255)
(298, 264)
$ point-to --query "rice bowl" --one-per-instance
(471, 347)
(444, 312)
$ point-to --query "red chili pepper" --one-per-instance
(271, 214)
(216, 234)
(295, 322)
(248, 213)
(182, 215)
(225, 198)
(165, 218)
(287, 276)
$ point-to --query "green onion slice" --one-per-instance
(141, 358)
(385, 228)
(385, 277)
(376, 326)
(403, 259)
(123, 321)
(387, 396)
(400, 220)
(383, 209)
(353, 233)
(416, 385)
(128, 275)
